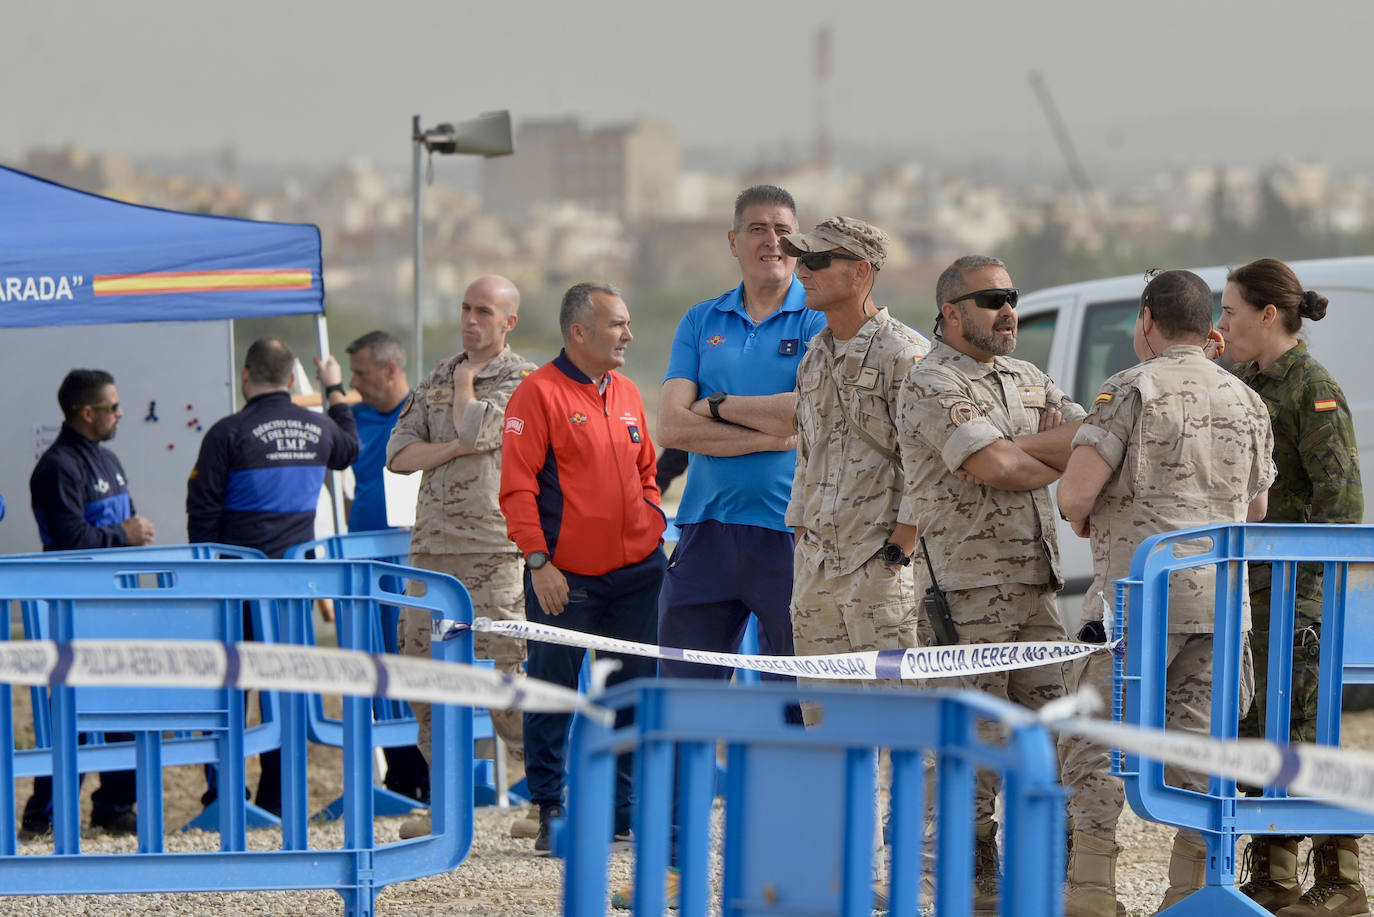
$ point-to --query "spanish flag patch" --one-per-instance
(1103, 398)
(1326, 404)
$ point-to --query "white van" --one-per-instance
(1081, 333)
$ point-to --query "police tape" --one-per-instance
(1328, 773)
(281, 667)
(917, 663)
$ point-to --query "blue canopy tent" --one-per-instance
(72, 258)
(68, 257)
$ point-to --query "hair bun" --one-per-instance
(1313, 306)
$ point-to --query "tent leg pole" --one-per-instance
(416, 143)
(335, 477)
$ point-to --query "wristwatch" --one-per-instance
(893, 554)
(336, 387)
(536, 560)
(713, 401)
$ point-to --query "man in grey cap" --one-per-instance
(850, 589)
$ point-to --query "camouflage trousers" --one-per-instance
(872, 608)
(498, 592)
(1004, 613)
(1302, 725)
(1097, 797)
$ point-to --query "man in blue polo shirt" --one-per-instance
(377, 362)
(729, 400)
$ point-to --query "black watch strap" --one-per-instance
(336, 387)
(893, 554)
(713, 402)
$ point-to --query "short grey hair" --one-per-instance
(762, 194)
(383, 346)
(577, 302)
(950, 286)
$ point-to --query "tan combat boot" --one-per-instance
(1091, 889)
(1272, 865)
(1337, 891)
(1187, 872)
(527, 825)
(415, 827)
(986, 875)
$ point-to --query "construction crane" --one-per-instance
(1077, 173)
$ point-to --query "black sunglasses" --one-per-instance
(819, 261)
(990, 299)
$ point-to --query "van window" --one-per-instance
(1033, 337)
(1106, 346)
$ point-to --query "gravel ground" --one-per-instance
(501, 876)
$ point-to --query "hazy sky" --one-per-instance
(1167, 81)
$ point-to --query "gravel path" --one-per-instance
(500, 877)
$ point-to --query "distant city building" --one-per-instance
(628, 170)
(98, 173)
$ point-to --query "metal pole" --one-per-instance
(335, 477)
(417, 142)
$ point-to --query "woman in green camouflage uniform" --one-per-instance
(1318, 481)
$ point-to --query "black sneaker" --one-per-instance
(543, 842)
(117, 823)
(34, 829)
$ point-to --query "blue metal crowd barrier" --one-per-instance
(202, 599)
(1222, 814)
(393, 723)
(184, 748)
(799, 802)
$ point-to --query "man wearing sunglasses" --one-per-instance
(850, 589)
(983, 435)
(81, 501)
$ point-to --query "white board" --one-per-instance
(184, 367)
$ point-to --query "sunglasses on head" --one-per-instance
(819, 261)
(990, 299)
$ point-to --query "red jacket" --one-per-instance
(577, 471)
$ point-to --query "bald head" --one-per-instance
(495, 289)
(490, 307)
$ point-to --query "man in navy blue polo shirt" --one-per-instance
(729, 400)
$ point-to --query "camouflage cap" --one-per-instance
(855, 236)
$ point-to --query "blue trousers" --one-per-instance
(620, 604)
(718, 575)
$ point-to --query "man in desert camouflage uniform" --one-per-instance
(982, 437)
(850, 592)
(451, 430)
(1172, 442)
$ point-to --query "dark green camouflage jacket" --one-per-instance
(1314, 447)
